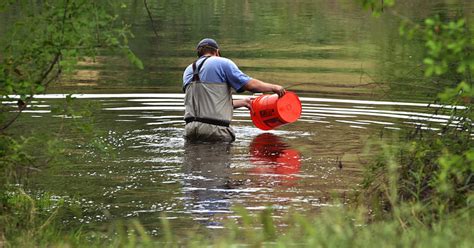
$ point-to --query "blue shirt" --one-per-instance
(218, 70)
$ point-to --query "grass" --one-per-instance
(32, 224)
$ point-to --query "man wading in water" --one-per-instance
(208, 84)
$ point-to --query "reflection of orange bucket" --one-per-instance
(272, 155)
(270, 111)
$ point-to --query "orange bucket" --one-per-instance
(270, 111)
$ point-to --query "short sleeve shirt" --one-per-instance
(218, 70)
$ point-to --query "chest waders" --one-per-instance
(208, 109)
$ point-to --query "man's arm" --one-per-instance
(255, 85)
(247, 102)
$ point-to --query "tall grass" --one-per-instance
(30, 224)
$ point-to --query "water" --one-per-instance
(351, 71)
(301, 167)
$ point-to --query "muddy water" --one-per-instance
(302, 166)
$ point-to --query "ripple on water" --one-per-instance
(299, 166)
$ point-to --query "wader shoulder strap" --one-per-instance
(196, 72)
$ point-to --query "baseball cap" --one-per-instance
(207, 42)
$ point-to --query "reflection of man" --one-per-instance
(207, 84)
(207, 176)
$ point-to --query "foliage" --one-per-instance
(32, 216)
(45, 40)
(376, 6)
(49, 38)
(448, 55)
(430, 175)
(334, 227)
(448, 46)
(428, 169)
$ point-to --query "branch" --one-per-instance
(12, 120)
(44, 76)
(56, 58)
(151, 18)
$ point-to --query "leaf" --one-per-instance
(8, 89)
(470, 155)
(460, 23)
(431, 44)
(40, 89)
(471, 64)
(429, 71)
(449, 94)
(401, 29)
(134, 59)
(429, 22)
(461, 68)
(428, 61)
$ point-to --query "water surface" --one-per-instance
(302, 166)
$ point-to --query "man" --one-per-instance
(208, 85)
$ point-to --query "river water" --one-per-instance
(350, 70)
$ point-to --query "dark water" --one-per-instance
(347, 67)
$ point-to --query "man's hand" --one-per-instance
(255, 85)
(247, 102)
(279, 90)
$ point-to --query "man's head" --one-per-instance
(207, 46)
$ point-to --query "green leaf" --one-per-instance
(438, 69)
(461, 68)
(40, 89)
(429, 22)
(449, 94)
(8, 89)
(471, 65)
(134, 59)
(401, 29)
(428, 61)
(429, 71)
(470, 154)
(461, 22)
